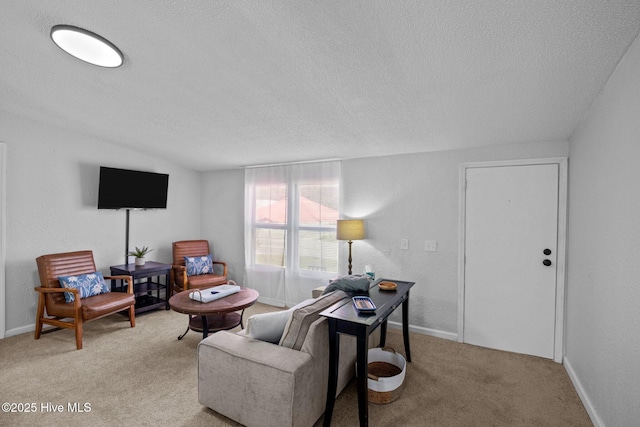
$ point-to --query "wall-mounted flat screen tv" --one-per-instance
(130, 189)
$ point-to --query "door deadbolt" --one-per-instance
(547, 252)
(547, 262)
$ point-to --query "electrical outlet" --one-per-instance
(430, 246)
(404, 244)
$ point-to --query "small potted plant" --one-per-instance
(139, 253)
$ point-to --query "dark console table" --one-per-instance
(147, 292)
(344, 319)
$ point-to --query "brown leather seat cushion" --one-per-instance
(94, 306)
(206, 280)
(102, 304)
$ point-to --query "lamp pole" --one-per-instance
(126, 244)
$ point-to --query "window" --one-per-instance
(307, 225)
(290, 228)
(270, 220)
(316, 223)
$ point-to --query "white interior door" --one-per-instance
(510, 257)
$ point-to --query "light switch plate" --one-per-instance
(430, 246)
(404, 243)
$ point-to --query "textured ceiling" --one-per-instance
(227, 83)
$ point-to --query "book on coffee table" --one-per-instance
(215, 293)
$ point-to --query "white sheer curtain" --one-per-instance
(290, 220)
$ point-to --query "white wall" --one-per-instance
(408, 196)
(52, 190)
(603, 305)
(52, 178)
(415, 197)
(223, 218)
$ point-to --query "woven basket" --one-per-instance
(386, 375)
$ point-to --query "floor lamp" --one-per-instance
(350, 229)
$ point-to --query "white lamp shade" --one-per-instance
(350, 229)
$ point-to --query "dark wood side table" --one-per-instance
(344, 319)
(144, 289)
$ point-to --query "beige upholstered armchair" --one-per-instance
(180, 280)
(275, 381)
(51, 295)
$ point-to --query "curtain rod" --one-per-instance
(291, 163)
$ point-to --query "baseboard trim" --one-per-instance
(393, 325)
(426, 331)
(20, 330)
(582, 393)
(27, 329)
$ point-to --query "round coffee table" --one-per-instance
(216, 315)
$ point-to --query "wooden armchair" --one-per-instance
(51, 294)
(194, 248)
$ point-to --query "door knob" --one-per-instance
(547, 262)
(547, 252)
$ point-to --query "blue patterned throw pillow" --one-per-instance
(89, 284)
(197, 265)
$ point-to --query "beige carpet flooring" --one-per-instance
(144, 376)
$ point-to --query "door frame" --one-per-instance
(3, 237)
(562, 162)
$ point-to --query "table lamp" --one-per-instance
(350, 229)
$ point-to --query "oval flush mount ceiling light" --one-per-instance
(87, 46)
